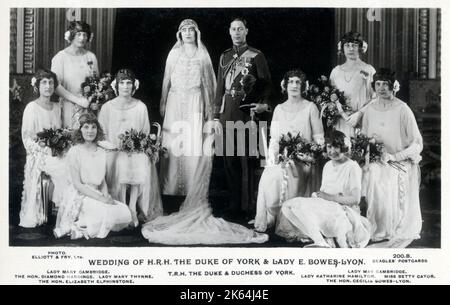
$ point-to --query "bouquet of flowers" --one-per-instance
(98, 90)
(325, 96)
(133, 141)
(58, 140)
(368, 150)
(296, 148)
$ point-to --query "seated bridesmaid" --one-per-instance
(87, 208)
(295, 115)
(39, 114)
(332, 212)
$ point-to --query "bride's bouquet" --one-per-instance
(367, 150)
(58, 140)
(298, 149)
(98, 90)
(326, 96)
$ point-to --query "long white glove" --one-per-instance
(412, 152)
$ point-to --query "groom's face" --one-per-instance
(238, 32)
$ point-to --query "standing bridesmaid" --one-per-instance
(354, 77)
(72, 65)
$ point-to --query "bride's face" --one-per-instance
(188, 34)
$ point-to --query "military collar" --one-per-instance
(240, 49)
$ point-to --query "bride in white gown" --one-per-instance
(195, 223)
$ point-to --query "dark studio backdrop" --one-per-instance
(288, 37)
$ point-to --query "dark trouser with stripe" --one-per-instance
(239, 170)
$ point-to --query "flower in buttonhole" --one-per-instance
(364, 74)
(90, 64)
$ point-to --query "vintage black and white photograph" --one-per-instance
(140, 134)
(256, 127)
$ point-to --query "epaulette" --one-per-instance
(227, 50)
(254, 50)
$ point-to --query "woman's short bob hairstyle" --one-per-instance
(40, 75)
(124, 74)
(79, 26)
(87, 118)
(352, 37)
(384, 74)
(294, 73)
(336, 138)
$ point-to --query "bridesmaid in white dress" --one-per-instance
(39, 114)
(332, 212)
(87, 209)
(295, 115)
(72, 65)
(186, 103)
(354, 77)
(117, 116)
(393, 195)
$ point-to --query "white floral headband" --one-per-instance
(348, 142)
(364, 48)
(67, 36)
(283, 89)
(136, 86)
(396, 86)
(33, 84)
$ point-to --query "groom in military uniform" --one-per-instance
(243, 91)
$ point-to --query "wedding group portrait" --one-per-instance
(225, 127)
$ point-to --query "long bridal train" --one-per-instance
(195, 223)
